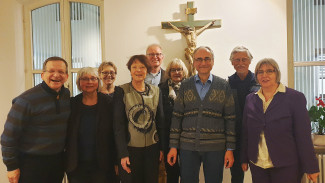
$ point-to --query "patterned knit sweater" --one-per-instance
(36, 124)
(203, 125)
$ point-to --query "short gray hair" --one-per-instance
(154, 45)
(206, 48)
(83, 71)
(270, 62)
(178, 62)
(240, 49)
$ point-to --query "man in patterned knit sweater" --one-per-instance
(203, 123)
(34, 133)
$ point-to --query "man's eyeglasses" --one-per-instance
(93, 79)
(59, 72)
(108, 73)
(206, 59)
(176, 70)
(155, 54)
(242, 59)
(268, 72)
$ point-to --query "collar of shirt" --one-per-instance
(197, 79)
(202, 89)
(281, 88)
(153, 79)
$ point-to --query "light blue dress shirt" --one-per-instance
(202, 89)
(153, 79)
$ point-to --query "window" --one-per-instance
(308, 18)
(65, 28)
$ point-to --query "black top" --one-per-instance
(104, 135)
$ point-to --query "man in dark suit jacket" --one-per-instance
(155, 57)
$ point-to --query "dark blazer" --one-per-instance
(168, 105)
(105, 146)
(163, 77)
(286, 127)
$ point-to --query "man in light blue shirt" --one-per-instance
(155, 58)
(203, 123)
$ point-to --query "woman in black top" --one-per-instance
(90, 151)
(176, 73)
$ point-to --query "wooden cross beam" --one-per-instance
(190, 11)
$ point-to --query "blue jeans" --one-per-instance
(212, 166)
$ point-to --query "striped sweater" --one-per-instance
(203, 125)
(36, 124)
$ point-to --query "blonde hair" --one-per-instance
(178, 62)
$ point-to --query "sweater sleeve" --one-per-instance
(302, 135)
(177, 118)
(229, 116)
(18, 115)
(120, 124)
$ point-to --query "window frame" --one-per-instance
(65, 36)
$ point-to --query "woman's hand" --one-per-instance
(125, 163)
(244, 166)
(171, 157)
(313, 177)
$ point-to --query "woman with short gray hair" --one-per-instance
(90, 149)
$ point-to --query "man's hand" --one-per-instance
(13, 176)
(171, 157)
(244, 166)
(229, 159)
(125, 162)
(313, 177)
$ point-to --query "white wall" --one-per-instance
(11, 62)
(258, 25)
(132, 25)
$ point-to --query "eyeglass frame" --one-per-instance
(206, 59)
(61, 73)
(237, 60)
(86, 79)
(268, 72)
(109, 73)
(155, 54)
(177, 69)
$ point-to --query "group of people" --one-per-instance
(114, 134)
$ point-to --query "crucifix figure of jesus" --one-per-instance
(189, 30)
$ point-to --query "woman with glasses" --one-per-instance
(90, 149)
(176, 73)
(138, 125)
(276, 138)
(107, 74)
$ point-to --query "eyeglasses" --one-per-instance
(59, 72)
(206, 59)
(242, 59)
(176, 70)
(93, 79)
(155, 54)
(268, 72)
(108, 73)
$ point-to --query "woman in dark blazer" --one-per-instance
(176, 73)
(276, 137)
(90, 151)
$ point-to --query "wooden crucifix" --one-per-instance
(190, 29)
